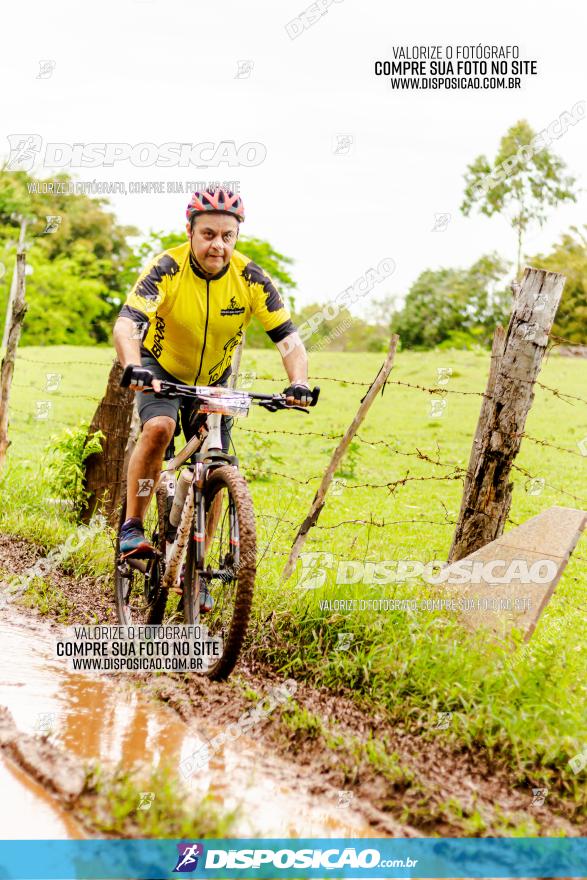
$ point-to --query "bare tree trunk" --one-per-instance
(510, 392)
(19, 308)
(104, 471)
(12, 294)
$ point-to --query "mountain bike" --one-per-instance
(201, 522)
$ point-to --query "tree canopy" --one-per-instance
(523, 180)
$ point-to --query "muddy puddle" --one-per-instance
(33, 812)
(107, 719)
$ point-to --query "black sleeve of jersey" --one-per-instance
(281, 331)
(134, 314)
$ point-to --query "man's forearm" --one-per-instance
(295, 359)
(127, 348)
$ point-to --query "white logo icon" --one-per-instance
(344, 641)
(538, 796)
(443, 720)
(244, 68)
(23, 150)
(437, 408)
(441, 222)
(43, 409)
(343, 144)
(312, 576)
(146, 799)
(46, 68)
(53, 224)
(345, 798)
(535, 486)
(443, 375)
(52, 381)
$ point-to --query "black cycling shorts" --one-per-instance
(150, 406)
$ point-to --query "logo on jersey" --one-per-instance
(157, 347)
(218, 369)
(233, 308)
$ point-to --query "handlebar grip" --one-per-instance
(126, 376)
(143, 377)
(315, 395)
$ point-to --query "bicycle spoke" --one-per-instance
(222, 584)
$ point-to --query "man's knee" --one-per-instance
(158, 431)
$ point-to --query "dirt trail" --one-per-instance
(84, 718)
(289, 783)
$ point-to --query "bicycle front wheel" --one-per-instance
(229, 567)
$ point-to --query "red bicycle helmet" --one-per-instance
(217, 201)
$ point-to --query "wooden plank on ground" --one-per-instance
(530, 558)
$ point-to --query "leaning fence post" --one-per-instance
(236, 363)
(516, 362)
(15, 319)
(320, 496)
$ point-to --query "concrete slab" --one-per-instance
(508, 582)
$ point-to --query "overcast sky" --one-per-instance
(151, 71)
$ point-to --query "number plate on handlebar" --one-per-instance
(227, 405)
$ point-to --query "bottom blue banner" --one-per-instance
(303, 858)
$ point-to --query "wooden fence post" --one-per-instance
(320, 496)
(12, 295)
(15, 319)
(516, 361)
(104, 471)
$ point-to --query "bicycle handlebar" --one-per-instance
(271, 402)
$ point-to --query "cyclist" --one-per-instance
(182, 322)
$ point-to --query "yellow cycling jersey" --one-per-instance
(192, 324)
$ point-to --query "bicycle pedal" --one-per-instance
(137, 555)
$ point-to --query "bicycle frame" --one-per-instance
(209, 444)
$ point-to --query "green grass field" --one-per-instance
(529, 711)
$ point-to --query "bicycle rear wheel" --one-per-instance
(139, 598)
(229, 567)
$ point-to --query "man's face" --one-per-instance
(213, 239)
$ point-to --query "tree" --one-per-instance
(521, 183)
(78, 270)
(454, 306)
(569, 256)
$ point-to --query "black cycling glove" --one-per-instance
(134, 375)
(300, 393)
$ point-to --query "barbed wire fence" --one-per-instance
(272, 545)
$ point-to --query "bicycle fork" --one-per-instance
(171, 575)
